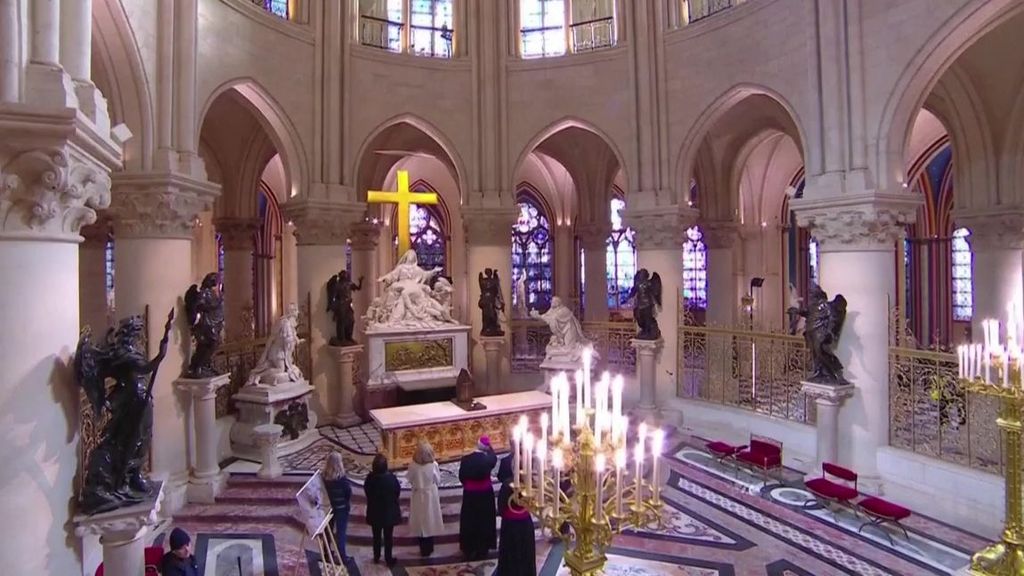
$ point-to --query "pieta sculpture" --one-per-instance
(646, 295)
(114, 472)
(339, 302)
(204, 312)
(491, 303)
(824, 325)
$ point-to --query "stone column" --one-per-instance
(491, 383)
(92, 277)
(267, 437)
(827, 400)
(76, 38)
(237, 236)
(207, 480)
(53, 187)
(343, 405)
(659, 243)
(488, 245)
(11, 57)
(996, 241)
(364, 238)
(856, 243)
(321, 230)
(646, 362)
(593, 239)
(153, 218)
(723, 294)
(122, 533)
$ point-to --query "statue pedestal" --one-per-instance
(551, 369)
(286, 404)
(646, 375)
(121, 533)
(492, 353)
(416, 358)
(267, 437)
(342, 406)
(206, 480)
(827, 399)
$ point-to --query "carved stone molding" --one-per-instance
(1001, 231)
(857, 223)
(237, 233)
(365, 235)
(720, 234)
(323, 223)
(123, 524)
(159, 205)
(663, 230)
(50, 193)
(488, 228)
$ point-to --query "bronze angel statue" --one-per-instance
(821, 332)
(491, 303)
(339, 301)
(114, 472)
(646, 295)
(204, 311)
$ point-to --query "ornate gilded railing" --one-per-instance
(593, 34)
(757, 371)
(931, 414)
(529, 338)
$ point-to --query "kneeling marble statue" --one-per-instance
(277, 364)
(567, 339)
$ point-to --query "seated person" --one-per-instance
(179, 561)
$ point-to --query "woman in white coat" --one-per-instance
(425, 520)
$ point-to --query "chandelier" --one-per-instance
(574, 472)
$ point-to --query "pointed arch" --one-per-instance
(533, 251)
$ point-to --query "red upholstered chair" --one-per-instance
(722, 451)
(764, 456)
(883, 512)
(154, 554)
(830, 492)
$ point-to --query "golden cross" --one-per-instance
(403, 197)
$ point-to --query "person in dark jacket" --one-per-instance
(477, 531)
(517, 548)
(179, 561)
(382, 509)
(339, 492)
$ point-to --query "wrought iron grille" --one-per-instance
(611, 340)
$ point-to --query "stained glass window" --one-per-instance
(620, 257)
(276, 7)
(542, 27)
(430, 28)
(108, 253)
(220, 256)
(695, 270)
(426, 233)
(963, 288)
(812, 260)
(531, 256)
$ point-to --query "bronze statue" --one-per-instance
(824, 325)
(114, 477)
(491, 303)
(646, 292)
(204, 310)
(339, 301)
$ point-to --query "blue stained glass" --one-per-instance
(620, 257)
(695, 270)
(278, 8)
(963, 286)
(427, 237)
(531, 256)
(108, 253)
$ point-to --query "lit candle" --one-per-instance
(564, 409)
(620, 465)
(641, 433)
(617, 407)
(587, 358)
(544, 426)
(960, 361)
(542, 451)
(557, 463)
(638, 459)
(598, 424)
(579, 399)
(657, 444)
(599, 463)
(517, 441)
(1006, 369)
(528, 459)
(554, 405)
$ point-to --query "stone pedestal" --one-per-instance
(206, 480)
(417, 359)
(284, 404)
(552, 368)
(646, 366)
(266, 437)
(342, 405)
(827, 399)
(121, 534)
(492, 374)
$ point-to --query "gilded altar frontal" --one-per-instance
(418, 354)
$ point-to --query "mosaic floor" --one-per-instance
(716, 521)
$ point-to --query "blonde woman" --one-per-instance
(339, 492)
(425, 520)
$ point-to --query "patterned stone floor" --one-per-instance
(716, 522)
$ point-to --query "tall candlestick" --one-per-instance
(554, 405)
(557, 463)
(544, 426)
(638, 458)
(587, 358)
(563, 411)
(641, 435)
(579, 399)
(517, 441)
(542, 450)
(528, 459)
(617, 429)
(620, 464)
(599, 464)
(657, 443)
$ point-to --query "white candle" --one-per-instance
(579, 399)
(620, 465)
(979, 354)
(598, 424)
(641, 435)
(587, 358)
(617, 385)
(657, 444)
(556, 463)
(564, 409)
(960, 361)
(638, 459)
(599, 464)
(528, 459)
(544, 426)
(1006, 369)
(517, 441)
(542, 451)
(554, 405)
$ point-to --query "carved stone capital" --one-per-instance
(203, 388)
(662, 230)
(488, 227)
(50, 193)
(365, 235)
(994, 231)
(857, 222)
(593, 237)
(159, 204)
(237, 233)
(123, 524)
(323, 223)
(720, 234)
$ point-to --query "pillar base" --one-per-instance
(204, 490)
(828, 399)
(121, 533)
(492, 375)
(343, 400)
(646, 375)
(267, 437)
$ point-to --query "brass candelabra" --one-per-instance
(577, 476)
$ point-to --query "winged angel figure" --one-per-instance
(491, 303)
(204, 311)
(824, 325)
(646, 295)
(114, 477)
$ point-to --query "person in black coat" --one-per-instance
(339, 492)
(477, 531)
(517, 549)
(382, 509)
(179, 561)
